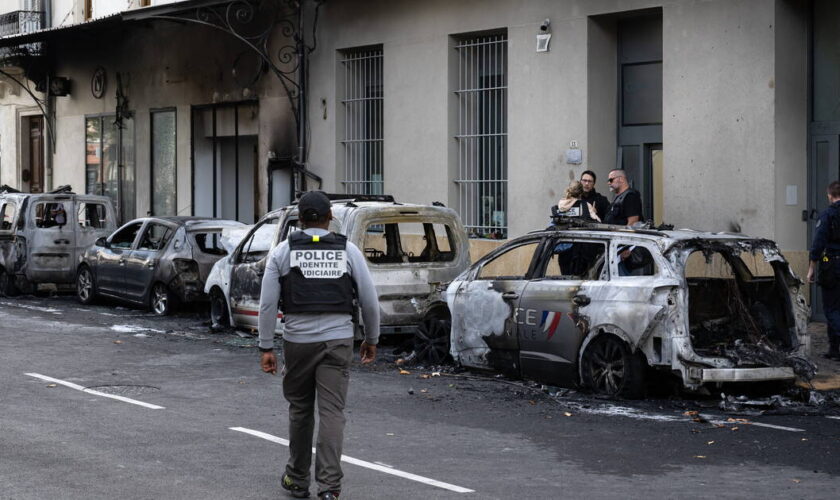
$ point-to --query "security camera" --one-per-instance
(544, 26)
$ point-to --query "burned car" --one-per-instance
(412, 251)
(43, 235)
(153, 262)
(604, 307)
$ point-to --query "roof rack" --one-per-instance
(356, 197)
(65, 189)
(8, 189)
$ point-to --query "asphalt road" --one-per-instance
(214, 425)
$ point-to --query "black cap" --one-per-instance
(313, 205)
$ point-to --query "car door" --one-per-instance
(552, 331)
(110, 260)
(142, 262)
(53, 240)
(485, 309)
(247, 269)
(93, 221)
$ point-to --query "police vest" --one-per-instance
(834, 225)
(318, 281)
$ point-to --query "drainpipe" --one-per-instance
(48, 105)
(301, 135)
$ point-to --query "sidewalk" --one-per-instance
(828, 371)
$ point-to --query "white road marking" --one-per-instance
(32, 308)
(362, 463)
(758, 424)
(835, 418)
(95, 393)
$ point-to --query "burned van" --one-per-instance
(412, 252)
(598, 305)
(43, 235)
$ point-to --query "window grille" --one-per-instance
(362, 104)
(482, 135)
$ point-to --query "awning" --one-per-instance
(97, 24)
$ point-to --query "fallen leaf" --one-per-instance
(797, 481)
(424, 390)
(389, 433)
(567, 414)
(691, 413)
(118, 341)
(52, 385)
(739, 420)
(532, 402)
(425, 375)
(399, 362)
(720, 426)
(241, 381)
(804, 439)
(711, 442)
(699, 456)
(436, 374)
(405, 372)
(734, 428)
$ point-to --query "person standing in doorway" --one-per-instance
(318, 274)
(626, 208)
(590, 195)
(825, 253)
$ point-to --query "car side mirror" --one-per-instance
(102, 242)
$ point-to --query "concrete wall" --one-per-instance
(734, 103)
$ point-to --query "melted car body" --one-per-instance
(152, 259)
(599, 304)
(412, 251)
(43, 235)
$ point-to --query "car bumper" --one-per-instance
(745, 374)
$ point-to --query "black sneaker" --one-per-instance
(328, 495)
(293, 489)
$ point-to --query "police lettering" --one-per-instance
(329, 264)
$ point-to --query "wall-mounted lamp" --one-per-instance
(544, 36)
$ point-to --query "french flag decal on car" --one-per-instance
(549, 322)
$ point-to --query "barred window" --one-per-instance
(482, 134)
(362, 104)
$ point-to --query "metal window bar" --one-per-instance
(482, 135)
(363, 121)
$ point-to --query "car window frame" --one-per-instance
(548, 249)
(146, 228)
(508, 247)
(69, 216)
(79, 202)
(13, 222)
(136, 236)
(237, 253)
(615, 259)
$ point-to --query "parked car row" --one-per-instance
(576, 304)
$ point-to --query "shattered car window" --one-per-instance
(125, 237)
(635, 261)
(7, 216)
(210, 243)
(576, 260)
(156, 237)
(259, 242)
(511, 264)
(756, 264)
(412, 242)
(50, 214)
(91, 215)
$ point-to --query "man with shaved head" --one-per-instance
(626, 208)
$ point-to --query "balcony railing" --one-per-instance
(18, 23)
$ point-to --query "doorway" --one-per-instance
(32, 154)
(640, 105)
(224, 160)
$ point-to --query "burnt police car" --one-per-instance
(601, 306)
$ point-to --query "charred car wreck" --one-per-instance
(604, 306)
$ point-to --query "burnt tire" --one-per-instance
(431, 340)
(219, 314)
(85, 286)
(161, 300)
(608, 367)
(7, 284)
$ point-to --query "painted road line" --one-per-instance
(95, 393)
(758, 424)
(362, 463)
(835, 418)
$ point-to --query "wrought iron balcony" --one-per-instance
(17, 23)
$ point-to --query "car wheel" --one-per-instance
(219, 316)
(431, 341)
(161, 300)
(7, 284)
(608, 367)
(85, 286)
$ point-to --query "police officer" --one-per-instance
(825, 250)
(318, 274)
(626, 208)
(599, 201)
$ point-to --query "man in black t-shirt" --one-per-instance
(626, 208)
